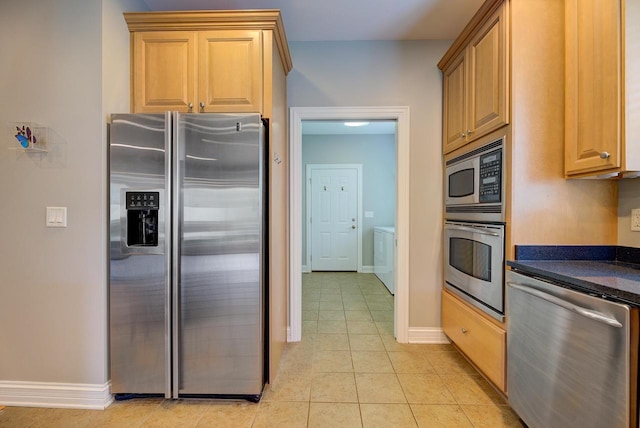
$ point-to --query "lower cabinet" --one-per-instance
(481, 340)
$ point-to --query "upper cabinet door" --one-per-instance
(592, 104)
(454, 83)
(163, 71)
(230, 71)
(488, 77)
(476, 82)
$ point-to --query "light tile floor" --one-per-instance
(348, 371)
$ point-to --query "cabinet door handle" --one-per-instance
(201, 106)
(464, 330)
(469, 132)
(463, 135)
(605, 155)
(190, 105)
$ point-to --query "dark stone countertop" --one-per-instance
(609, 271)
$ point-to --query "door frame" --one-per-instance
(401, 116)
(310, 168)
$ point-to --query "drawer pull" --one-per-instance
(464, 330)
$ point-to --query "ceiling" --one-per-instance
(349, 20)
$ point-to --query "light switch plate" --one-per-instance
(56, 217)
(635, 220)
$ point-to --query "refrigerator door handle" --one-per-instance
(167, 251)
(175, 256)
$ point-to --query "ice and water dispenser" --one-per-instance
(142, 218)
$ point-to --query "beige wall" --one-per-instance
(382, 73)
(58, 59)
(628, 199)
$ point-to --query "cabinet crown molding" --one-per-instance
(203, 20)
(485, 11)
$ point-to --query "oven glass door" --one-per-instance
(474, 269)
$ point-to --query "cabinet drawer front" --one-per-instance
(480, 340)
(163, 71)
(230, 73)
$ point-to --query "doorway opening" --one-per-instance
(400, 117)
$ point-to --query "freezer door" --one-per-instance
(219, 305)
(138, 255)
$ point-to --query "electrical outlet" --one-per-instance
(635, 220)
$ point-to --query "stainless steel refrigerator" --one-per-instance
(187, 281)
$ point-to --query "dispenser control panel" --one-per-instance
(142, 218)
(143, 200)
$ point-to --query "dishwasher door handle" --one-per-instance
(594, 315)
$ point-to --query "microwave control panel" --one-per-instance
(490, 186)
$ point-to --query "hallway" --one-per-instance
(348, 371)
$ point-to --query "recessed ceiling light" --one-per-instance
(356, 123)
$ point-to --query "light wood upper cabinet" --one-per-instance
(488, 100)
(475, 83)
(164, 77)
(602, 65)
(205, 61)
(455, 104)
(230, 71)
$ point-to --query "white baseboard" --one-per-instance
(432, 336)
(428, 335)
(59, 395)
(367, 269)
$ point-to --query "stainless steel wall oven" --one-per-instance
(474, 264)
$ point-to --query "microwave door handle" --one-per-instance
(472, 230)
(596, 316)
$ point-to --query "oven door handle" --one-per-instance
(471, 229)
(594, 315)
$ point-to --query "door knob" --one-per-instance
(353, 226)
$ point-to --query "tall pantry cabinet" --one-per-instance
(224, 62)
(542, 207)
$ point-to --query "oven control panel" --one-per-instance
(490, 186)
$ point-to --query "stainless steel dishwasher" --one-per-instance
(568, 357)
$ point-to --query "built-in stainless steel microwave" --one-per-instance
(474, 184)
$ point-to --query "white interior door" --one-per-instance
(334, 219)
